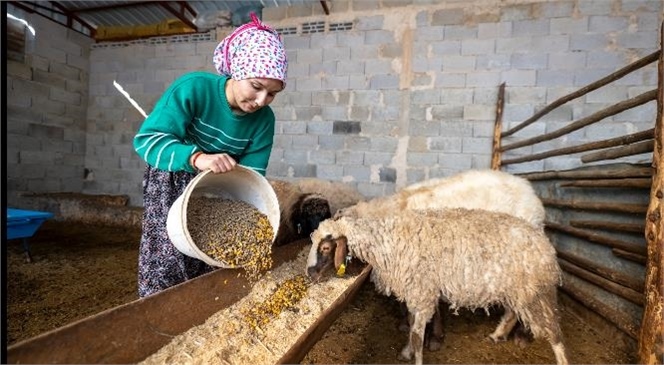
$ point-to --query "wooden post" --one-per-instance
(651, 336)
(496, 155)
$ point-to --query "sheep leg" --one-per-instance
(434, 332)
(546, 323)
(507, 322)
(415, 342)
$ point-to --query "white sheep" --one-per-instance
(493, 190)
(469, 258)
(300, 212)
(338, 194)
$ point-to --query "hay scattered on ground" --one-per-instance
(227, 338)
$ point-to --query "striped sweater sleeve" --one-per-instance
(161, 142)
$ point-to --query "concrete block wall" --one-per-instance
(385, 93)
(46, 101)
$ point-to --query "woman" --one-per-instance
(205, 121)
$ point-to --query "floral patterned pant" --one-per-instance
(160, 264)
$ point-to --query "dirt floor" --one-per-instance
(79, 270)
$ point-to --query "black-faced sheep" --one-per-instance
(469, 258)
(300, 212)
(338, 194)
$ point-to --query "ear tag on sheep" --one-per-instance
(342, 267)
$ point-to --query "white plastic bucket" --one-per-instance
(242, 184)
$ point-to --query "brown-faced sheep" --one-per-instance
(469, 258)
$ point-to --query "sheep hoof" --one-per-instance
(405, 355)
(496, 339)
(434, 344)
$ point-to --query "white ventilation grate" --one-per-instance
(179, 38)
(335, 27)
(313, 27)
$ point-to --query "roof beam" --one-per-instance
(73, 16)
(181, 13)
(323, 3)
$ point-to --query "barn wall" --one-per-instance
(380, 93)
(46, 101)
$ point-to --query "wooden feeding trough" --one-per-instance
(132, 332)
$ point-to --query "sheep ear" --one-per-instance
(341, 252)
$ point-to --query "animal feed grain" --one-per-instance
(233, 232)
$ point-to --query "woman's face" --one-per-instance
(249, 95)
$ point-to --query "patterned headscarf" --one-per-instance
(252, 50)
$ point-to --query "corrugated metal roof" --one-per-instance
(87, 16)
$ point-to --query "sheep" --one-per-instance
(492, 190)
(300, 212)
(470, 258)
(340, 195)
(473, 189)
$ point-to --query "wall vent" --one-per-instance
(313, 27)
(178, 38)
(335, 27)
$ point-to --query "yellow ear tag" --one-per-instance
(342, 270)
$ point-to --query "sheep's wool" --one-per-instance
(225, 338)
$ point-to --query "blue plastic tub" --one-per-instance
(24, 223)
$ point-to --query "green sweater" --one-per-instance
(193, 115)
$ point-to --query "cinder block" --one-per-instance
(450, 80)
(595, 7)
(569, 26)
(567, 61)
(479, 112)
(322, 157)
(429, 34)
(477, 47)
(454, 161)
(494, 62)
(359, 173)
(372, 37)
(458, 63)
(460, 32)
(531, 27)
(384, 82)
(519, 77)
(445, 144)
(417, 159)
(374, 22)
(447, 17)
(476, 145)
(588, 42)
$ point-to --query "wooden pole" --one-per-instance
(596, 238)
(651, 336)
(611, 287)
(634, 257)
(629, 150)
(609, 274)
(622, 320)
(586, 89)
(611, 183)
(619, 171)
(584, 122)
(601, 206)
(612, 142)
(609, 226)
(496, 155)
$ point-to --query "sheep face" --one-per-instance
(328, 250)
(311, 209)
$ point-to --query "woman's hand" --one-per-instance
(218, 163)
